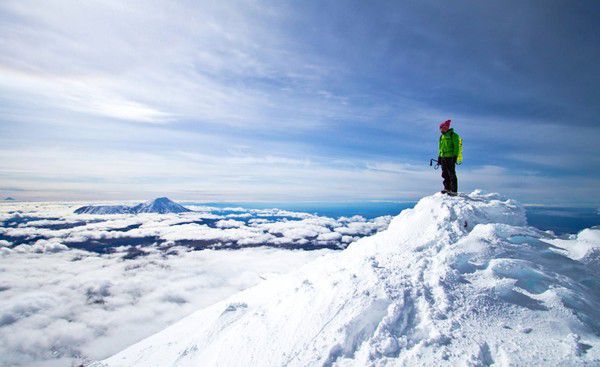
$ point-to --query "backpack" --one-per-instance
(459, 158)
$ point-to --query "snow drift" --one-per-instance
(454, 281)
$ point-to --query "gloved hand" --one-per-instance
(439, 160)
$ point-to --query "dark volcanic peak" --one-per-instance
(9, 199)
(161, 205)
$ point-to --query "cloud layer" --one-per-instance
(45, 228)
(79, 287)
(61, 307)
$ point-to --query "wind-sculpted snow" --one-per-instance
(454, 281)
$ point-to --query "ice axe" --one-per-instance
(437, 164)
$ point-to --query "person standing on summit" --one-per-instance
(450, 153)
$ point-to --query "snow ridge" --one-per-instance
(454, 281)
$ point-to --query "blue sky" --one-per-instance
(308, 100)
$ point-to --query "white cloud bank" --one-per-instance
(208, 227)
(61, 305)
(58, 307)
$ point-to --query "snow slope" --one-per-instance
(454, 281)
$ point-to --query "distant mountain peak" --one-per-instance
(162, 205)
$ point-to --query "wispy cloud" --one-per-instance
(250, 99)
(214, 64)
(53, 174)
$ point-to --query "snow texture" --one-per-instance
(454, 281)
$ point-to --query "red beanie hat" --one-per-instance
(445, 125)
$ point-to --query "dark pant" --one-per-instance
(449, 173)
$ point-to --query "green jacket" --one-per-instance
(449, 144)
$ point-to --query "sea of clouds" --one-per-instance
(53, 227)
(76, 288)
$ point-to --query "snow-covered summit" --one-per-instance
(161, 205)
(453, 281)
